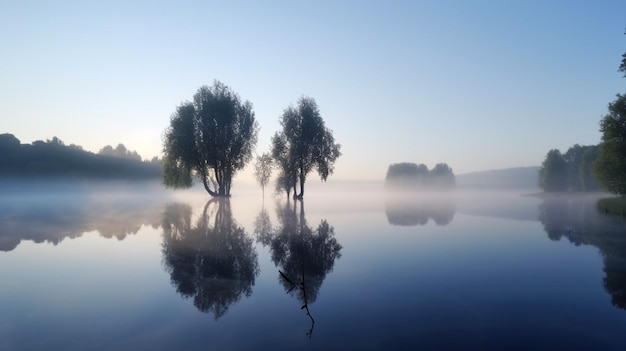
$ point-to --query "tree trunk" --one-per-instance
(207, 188)
(302, 177)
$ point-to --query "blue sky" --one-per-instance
(476, 84)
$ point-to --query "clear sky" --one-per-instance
(476, 84)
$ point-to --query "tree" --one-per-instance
(283, 182)
(577, 174)
(210, 138)
(587, 179)
(573, 159)
(303, 144)
(442, 176)
(610, 165)
(286, 179)
(411, 176)
(263, 170)
(406, 174)
(553, 172)
(120, 151)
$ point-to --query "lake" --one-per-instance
(134, 267)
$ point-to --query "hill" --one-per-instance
(509, 178)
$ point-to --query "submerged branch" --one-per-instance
(306, 305)
(301, 286)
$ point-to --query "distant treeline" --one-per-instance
(53, 159)
(411, 176)
(572, 171)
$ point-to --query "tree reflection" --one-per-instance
(296, 245)
(303, 254)
(213, 262)
(412, 211)
(578, 220)
(263, 230)
(54, 217)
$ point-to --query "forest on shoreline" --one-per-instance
(53, 159)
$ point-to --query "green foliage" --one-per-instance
(303, 144)
(176, 175)
(211, 138)
(588, 181)
(263, 170)
(610, 166)
(572, 171)
(412, 176)
(54, 159)
(573, 159)
(553, 172)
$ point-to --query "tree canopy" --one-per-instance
(304, 143)
(211, 138)
(263, 170)
(610, 167)
(119, 151)
(553, 172)
(411, 176)
(571, 171)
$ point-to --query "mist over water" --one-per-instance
(156, 269)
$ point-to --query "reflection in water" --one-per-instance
(214, 261)
(52, 218)
(579, 221)
(300, 287)
(263, 228)
(304, 255)
(411, 211)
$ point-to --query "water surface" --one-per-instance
(137, 268)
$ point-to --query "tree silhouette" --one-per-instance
(553, 172)
(54, 159)
(263, 170)
(304, 143)
(212, 138)
(213, 262)
(610, 165)
(412, 177)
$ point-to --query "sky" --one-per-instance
(479, 85)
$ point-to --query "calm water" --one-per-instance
(117, 267)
